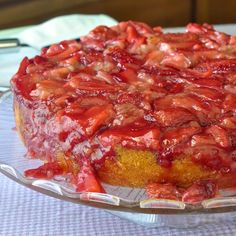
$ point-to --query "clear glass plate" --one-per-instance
(129, 203)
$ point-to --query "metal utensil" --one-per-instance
(11, 45)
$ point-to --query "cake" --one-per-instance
(131, 105)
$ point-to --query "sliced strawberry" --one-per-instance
(157, 70)
(128, 76)
(207, 93)
(174, 88)
(38, 60)
(133, 36)
(173, 116)
(87, 180)
(232, 137)
(198, 29)
(127, 97)
(229, 103)
(230, 88)
(218, 66)
(85, 75)
(87, 121)
(46, 171)
(140, 27)
(208, 35)
(154, 57)
(59, 73)
(144, 137)
(208, 156)
(123, 57)
(163, 191)
(87, 58)
(96, 117)
(99, 37)
(176, 60)
(228, 122)
(199, 191)
(220, 135)
(22, 82)
(202, 139)
(185, 101)
(179, 40)
(103, 33)
(23, 66)
(86, 82)
(209, 82)
(179, 135)
(63, 50)
(201, 80)
(105, 76)
(232, 40)
(55, 49)
(71, 62)
(200, 54)
(179, 37)
(41, 67)
(127, 113)
(23, 85)
(205, 111)
(88, 101)
(48, 88)
(90, 86)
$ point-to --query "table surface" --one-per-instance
(25, 212)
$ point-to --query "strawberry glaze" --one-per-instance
(135, 86)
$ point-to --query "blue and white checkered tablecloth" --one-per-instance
(24, 212)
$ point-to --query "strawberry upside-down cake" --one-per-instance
(133, 106)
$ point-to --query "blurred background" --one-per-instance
(166, 13)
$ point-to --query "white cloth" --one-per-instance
(61, 28)
(24, 212)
